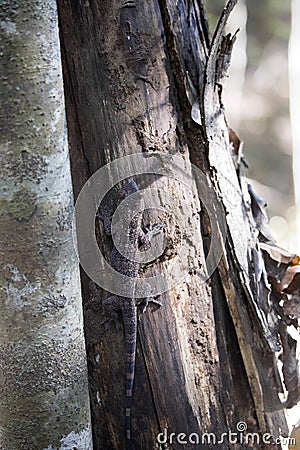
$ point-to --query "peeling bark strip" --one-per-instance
(44, 400)
(251, 323)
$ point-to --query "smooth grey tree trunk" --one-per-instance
(44, 402)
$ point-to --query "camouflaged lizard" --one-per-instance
(128, 306)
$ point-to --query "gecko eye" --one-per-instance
(122, 195)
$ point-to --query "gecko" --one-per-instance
(128, 307)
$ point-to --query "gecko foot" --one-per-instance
(111, 322)
(151, 230)
(150, 301)
(154, 229)
(111, 307)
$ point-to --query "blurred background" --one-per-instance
(260, 103)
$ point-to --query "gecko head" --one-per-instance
(129, 187)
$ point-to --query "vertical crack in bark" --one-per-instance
(67, 75)
(149, 380)
(174, 60)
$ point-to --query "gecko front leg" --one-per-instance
(146, 237)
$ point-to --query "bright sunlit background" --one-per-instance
(258, 107)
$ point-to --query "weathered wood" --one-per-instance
(125, 66)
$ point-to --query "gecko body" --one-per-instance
(128, 306)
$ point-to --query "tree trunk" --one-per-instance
(44, 399)
(205, 359)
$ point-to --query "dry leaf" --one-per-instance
(234, 141)
(258, 208)
(296, 436)
(290, 366)
(291, 280)
(291, 307)
(296, 260)
(196, 113)
(278, 254)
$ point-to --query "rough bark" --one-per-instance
(202, 360)
(44, 399)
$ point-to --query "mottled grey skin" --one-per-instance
(128, 306)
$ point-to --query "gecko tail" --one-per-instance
(128, 444)
(130, 325)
